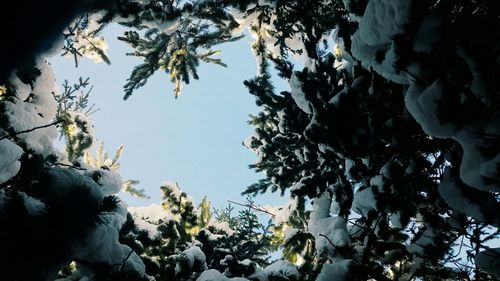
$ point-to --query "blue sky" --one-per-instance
(195, 140)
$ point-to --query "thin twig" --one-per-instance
(252, 207)
(70, 166)
(330, 241)
(124, 260)
(31, 130)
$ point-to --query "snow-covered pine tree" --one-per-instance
(176, 241)
(364, 140)
(55, 211)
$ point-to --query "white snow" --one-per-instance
(9, 164)
(476, 166)
(110, 182)
(382, 20)
(327, 230)
(222, 226)
(192, 254)
(282, 270)
(298, 95)
(290, 232)
(24, 113)
(214, 275)
(396, 220)
(364, 201)
(423, 104)
(335, 271)
(451, 191)
(282, 213)
(168, 27)
(148, 218)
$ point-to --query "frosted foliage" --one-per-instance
(282, 213)
(148, 218)
(110, 182)
(423, 104)
(282, 270)
(326, 229)
(477, 166)
(222, 225)
(173, 187)
(103, 246)
(24, 113)
(87, 42)
(382, 20)
(9, 164)
(214, 275)
(364, 201)
(191, 255)
(168, 27)
(64, 181)
(153, 213)
(450, 191)
(335, 271)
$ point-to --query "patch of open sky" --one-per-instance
(195, 140)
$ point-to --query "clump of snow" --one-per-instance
(168, 27)
(9, 163)
(148, 218)
(25, 112)
(222, 226)
(282, 270)
(298, 94)
(191, 255)
(282, 213)
(290, 232)
(381, 22)
(364, 201)
(423, 104)
(335, 271)
(327, 230)
(214, 275)
(454, 193)
(477, 167)
(173, 187)
(153, 212)
(110, 181)
(395, 220)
